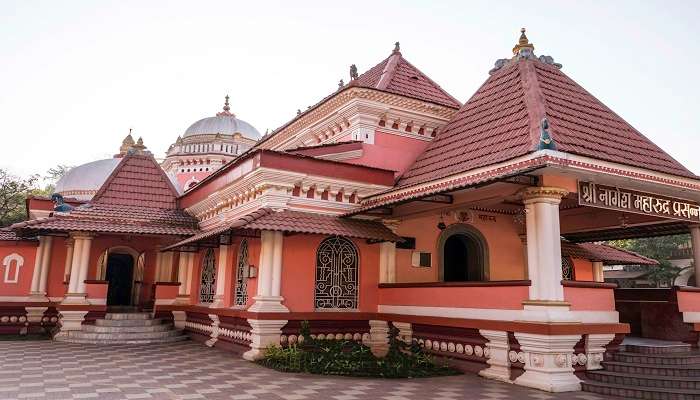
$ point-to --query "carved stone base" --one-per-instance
(499, 365)
(548, 362)
(214, 336)
(68, 322)
(179, 319)
(75, 298)
(263, 334)
(405, 331)
(268, 304)
(595, 349)
(378, 338)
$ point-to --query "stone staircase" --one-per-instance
(126, 328)
(658, 372)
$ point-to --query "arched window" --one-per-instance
(567, 269)
(207, 286)
(240, 293)
(336, 274)
(463, 254)
(12, 264)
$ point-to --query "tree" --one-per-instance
(660, 249)
(13, 192)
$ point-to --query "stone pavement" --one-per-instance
(188, 370)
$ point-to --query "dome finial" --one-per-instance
(227, 109)
(226, 106)
(524, 47)
(397, 47)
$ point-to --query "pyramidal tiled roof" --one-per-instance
(502, 120)
(396, 75)
(138, 181)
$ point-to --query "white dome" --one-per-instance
(223, 124)
(83, 181)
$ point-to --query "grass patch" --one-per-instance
(350, 358)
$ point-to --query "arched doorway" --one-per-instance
(119, 273)
(463, 254)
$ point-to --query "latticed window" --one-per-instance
(336, 274)
(567, 269)
(240, 293)
(207, 286)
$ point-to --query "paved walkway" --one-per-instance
(188, 370)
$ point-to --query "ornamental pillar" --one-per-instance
(548, 362)
(695, 238)
(69, 259)
(265, 333)
(269, 298)
(41, 267)
(598, 274)
(595, 349)
(387, 262)
(222, 272)
(546, 294)
(79, 269)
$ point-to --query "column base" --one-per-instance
(183, 299)
(75, 298)
(548, 364)
(268, 304)
(218, 302)
(39, 297)
(179, 319)
(595, 349)
(547, 311)
(69, 321)
(378, 338)
(499, 365)
(34, 317)
(263, 334)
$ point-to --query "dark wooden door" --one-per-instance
(120, 272)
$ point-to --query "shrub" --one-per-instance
(346, 357)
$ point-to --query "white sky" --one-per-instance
(76, 75)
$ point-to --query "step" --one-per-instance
(171, 339)
(656, 382)
(126, 336)
(127, 329)
(689, 370)
(128, 322)
(658, 359)
(656, 349)
(632, 392)
(128, 315)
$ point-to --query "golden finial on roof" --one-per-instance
(523, 43)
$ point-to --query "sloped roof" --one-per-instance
(297, 222)
(609, 255)
(396, 75)
(137, 198)
(502, 120)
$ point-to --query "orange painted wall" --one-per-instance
(506, 251)
(299, 272)
(688, 301)
(590, 299)
(55, 286)
(495, 297)
(583, 269)
(392, 152)
(24, 281)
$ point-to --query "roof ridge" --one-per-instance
(389, 70)
(534, 99)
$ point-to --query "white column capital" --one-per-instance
(539, 194)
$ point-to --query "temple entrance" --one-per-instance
(119, 274)
(463, 255)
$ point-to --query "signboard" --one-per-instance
(614, 198)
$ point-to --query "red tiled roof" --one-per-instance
(297, 222)
(11, 236)
(609, 255)
(138, 181)
(396, 75)
(137, 198)
(502, 119)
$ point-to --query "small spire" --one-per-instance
(353, 72)
(227, 109)
(341, 84)
(226, 106)
(397, 47)
(524, 47)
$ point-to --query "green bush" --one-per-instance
(346, 357)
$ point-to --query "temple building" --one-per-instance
(474, 229)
